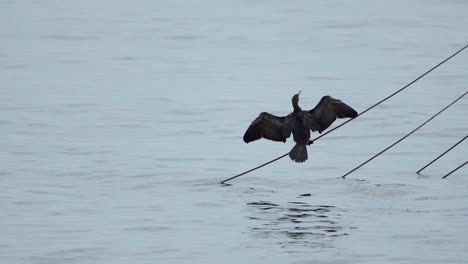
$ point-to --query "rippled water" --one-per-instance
(118, 119)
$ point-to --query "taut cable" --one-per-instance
(407, 135)
(440, 156)
(455, 170)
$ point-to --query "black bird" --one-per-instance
(299, 123)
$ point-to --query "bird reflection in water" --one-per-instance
(297, 224)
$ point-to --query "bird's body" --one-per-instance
(299, 123)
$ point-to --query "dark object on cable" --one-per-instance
(299, 123)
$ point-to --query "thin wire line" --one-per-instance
(393, 94)
(258, 167)
(401, 139)
(441, 155)
(381, 101)
(455, 170)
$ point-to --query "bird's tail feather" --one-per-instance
(298, 153)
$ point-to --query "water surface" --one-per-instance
(118, 120)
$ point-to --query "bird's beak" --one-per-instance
(299, 93)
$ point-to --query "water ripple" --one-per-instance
(297, 224)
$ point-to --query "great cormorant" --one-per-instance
(299, 123)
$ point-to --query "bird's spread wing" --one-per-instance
(270, 127)
(326, 112)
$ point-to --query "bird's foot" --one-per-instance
(310, 142)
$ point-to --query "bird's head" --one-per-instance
(295, 98)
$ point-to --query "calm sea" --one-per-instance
(119, 118)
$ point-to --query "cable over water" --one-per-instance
(441, 155)
(363, 112)
(463, 164)
(407, 135)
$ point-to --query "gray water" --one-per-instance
(119, 118)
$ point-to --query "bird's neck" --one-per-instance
(297, 108)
